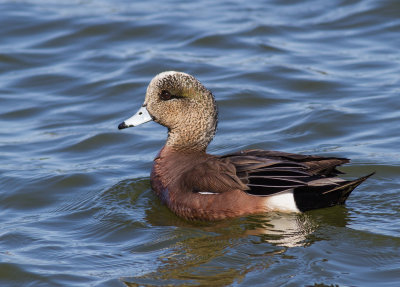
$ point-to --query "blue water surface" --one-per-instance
(313, 77)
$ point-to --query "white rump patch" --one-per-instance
(282, 202)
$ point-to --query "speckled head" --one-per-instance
(181, 103)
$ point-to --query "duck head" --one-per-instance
(181, 103)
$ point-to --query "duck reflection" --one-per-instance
(281, 229)
(223, 253)
(286, 230)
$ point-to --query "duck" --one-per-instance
(196, 185)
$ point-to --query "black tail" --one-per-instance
(313, 197)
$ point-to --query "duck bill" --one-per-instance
(142, 116)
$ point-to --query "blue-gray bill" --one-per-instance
(142, 116)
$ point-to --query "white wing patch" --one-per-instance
(207, 192)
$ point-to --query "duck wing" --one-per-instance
(266, 173)
(212, 176)
(313, 179)
(316, 165)
(251, 171)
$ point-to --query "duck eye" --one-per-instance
(165, 95)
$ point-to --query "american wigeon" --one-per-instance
(198, 185)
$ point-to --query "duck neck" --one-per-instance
(196, 138)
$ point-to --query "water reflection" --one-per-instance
(287, 230)
(223, 253)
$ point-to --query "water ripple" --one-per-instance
(76, 208)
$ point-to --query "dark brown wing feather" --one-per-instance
(270, 172)
(213, 175)
(316, 164)
(253, 174)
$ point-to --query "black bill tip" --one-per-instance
(122, 126)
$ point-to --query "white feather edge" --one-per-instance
(206, 192)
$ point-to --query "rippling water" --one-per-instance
(76, 208)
